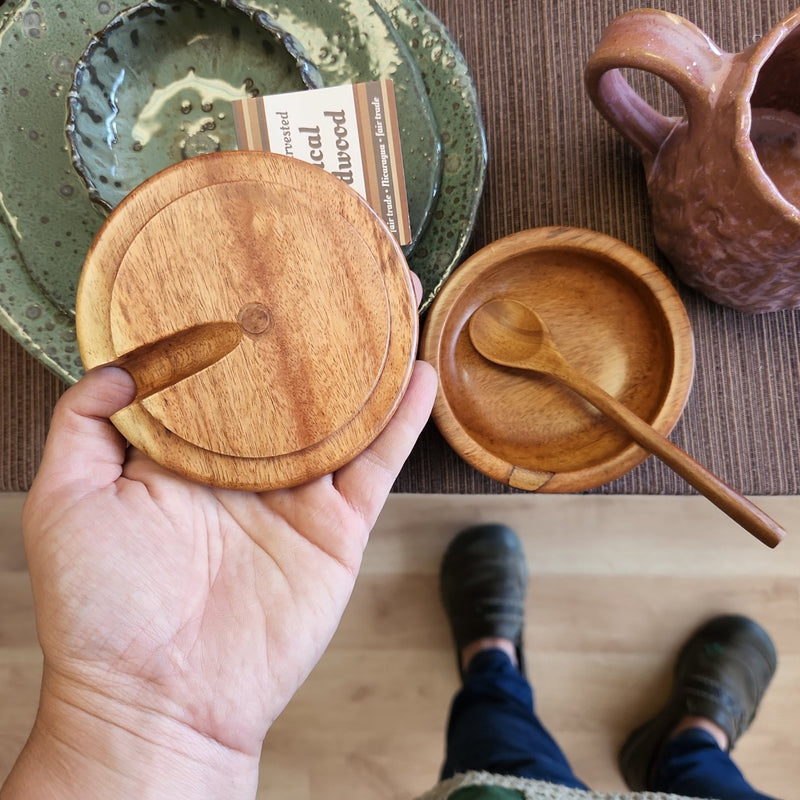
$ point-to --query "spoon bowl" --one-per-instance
(510, 333)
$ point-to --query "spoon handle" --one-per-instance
(163, 363)
(735, 505)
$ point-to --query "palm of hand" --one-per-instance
(204, 606)
(190, 596)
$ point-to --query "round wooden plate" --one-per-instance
(612, 313)
(318, 284)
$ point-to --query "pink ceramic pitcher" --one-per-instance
(723, 181)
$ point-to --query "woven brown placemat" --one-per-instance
(28, 393)
(554, 161)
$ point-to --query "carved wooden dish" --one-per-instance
(318, 285)
(613, 314)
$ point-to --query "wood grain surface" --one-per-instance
(317, 285)
(620, 323)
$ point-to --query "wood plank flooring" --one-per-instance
(616, 585)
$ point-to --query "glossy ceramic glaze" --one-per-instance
(50, 221)
(726, 209)
(155, 87)
(458, 119)
(615, 317)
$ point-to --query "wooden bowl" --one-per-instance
(316, 280)
(612, 313)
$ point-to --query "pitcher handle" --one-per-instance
(666, 45)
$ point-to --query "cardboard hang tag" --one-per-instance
(350, 131)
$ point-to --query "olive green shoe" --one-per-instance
(483, 581)
(721, 674)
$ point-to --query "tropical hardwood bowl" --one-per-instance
(612, 313)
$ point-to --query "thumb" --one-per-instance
(82, 444)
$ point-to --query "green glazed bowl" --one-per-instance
(155, 86)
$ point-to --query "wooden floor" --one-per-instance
(616, 584)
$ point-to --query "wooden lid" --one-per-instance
(318, 285)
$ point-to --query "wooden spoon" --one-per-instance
(163, 363)
(511, 334)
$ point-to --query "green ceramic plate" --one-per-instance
(458, 117)
(37, 280)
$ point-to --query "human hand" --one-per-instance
(177, 620)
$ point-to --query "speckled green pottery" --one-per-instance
(49, 220)
(154, 87)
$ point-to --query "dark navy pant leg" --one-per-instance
(693, 764)
(493, 726)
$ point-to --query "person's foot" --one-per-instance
(720, 676)
(483, 581)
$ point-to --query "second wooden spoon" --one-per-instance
(511, 334)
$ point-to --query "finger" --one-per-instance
(82, 443)
(366, 481)
(417, 283)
